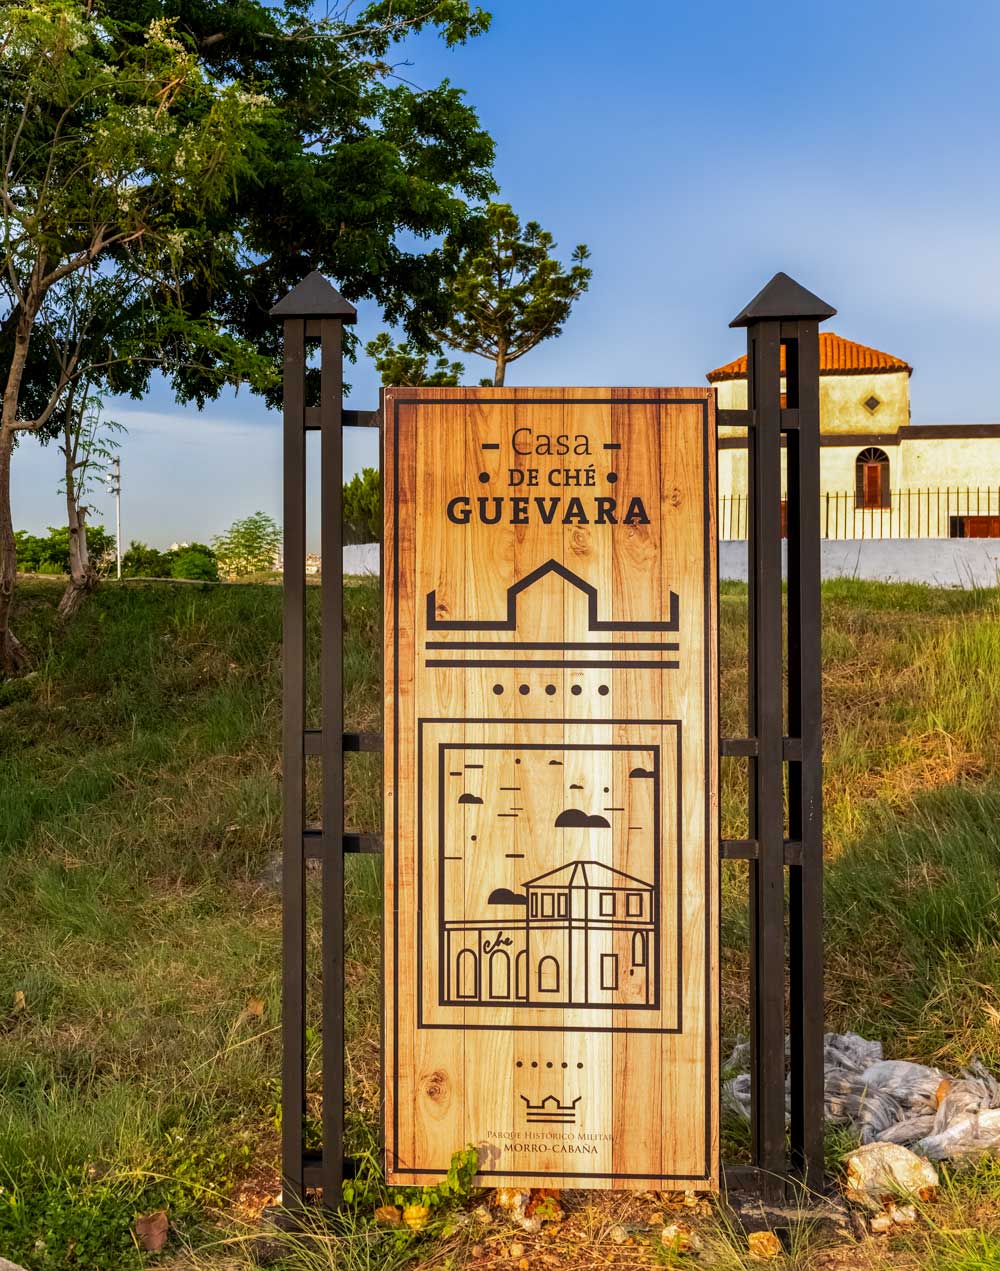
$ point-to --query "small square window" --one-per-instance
(609, 971)
(633, 904)
(607, 904)
(548, 904)
(872, 403)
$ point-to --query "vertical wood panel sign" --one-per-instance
(551, 785)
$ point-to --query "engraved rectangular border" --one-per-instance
(616, 723)
(711, 833)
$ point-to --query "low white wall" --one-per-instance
(362, 558)
(942, 562)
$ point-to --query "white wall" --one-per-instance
(362, 558)
(942, 562)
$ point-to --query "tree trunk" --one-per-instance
(501, 368)
(13, 657)
(83, 577)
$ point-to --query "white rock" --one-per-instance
(679, 1238)
(887, 1170)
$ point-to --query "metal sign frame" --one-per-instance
(784, 840)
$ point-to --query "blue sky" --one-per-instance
(697, 149)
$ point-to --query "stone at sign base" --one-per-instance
(679, 1238)
(885, 1171)
(9, 1266)
(764, 1245)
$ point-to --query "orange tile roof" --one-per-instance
(837, 356)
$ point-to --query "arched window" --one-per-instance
(548, 975)
(499, 974)
(467, 974)
(521, 975)
(638, 948)
(871, 475)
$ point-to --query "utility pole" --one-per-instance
(115, 488)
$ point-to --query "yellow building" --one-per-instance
(881, 476)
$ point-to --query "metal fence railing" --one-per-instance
(938, 512)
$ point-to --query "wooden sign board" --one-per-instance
(551, 785)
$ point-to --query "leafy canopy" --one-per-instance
(362, 507)
(357, 173)
(195, 158)
(119, 151)
(408, 366)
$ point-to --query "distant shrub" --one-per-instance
(143, 561)
(248, 546)
(363, 508)
(195, 561)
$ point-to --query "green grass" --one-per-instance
(140, 803)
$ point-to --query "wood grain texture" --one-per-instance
(551, 785)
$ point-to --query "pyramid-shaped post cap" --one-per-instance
(783, 299)
(314, 297)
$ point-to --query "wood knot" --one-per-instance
(436, 1087)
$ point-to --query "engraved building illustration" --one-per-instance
(587, 938)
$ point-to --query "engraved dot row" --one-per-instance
(534, 1064)
(550, 689)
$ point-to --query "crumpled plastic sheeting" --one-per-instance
(893, 1101)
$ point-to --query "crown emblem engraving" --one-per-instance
(551, 1110)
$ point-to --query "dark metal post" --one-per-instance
(784, 316)
(293, 1076)
(311, 309)
(805, 756)
(767, 816)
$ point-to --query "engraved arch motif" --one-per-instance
(467, 974)
(594, 623)
(499, 974)
(548, 975)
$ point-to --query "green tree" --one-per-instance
(506, 290)
(258, 141)
(143, 561)
(362, 507)
(88, 444)
(248, 546)
(114, 154)
(407, 365)
(51, 554)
